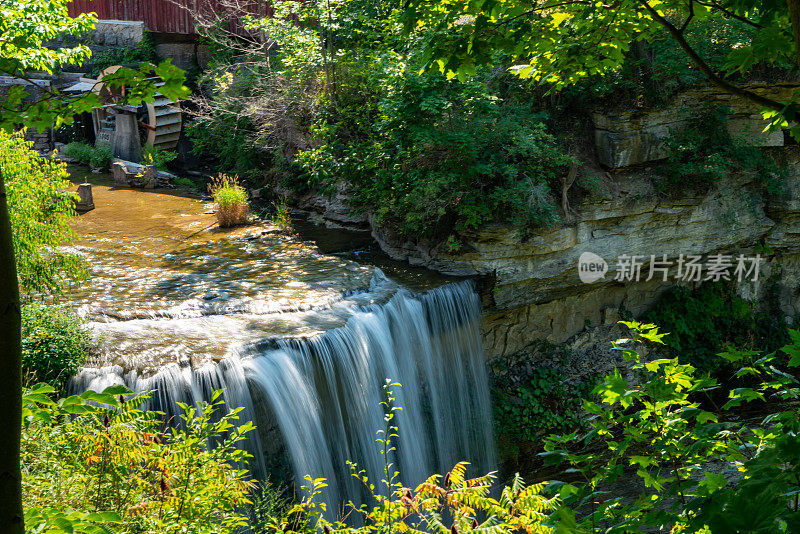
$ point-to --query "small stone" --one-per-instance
(86, 202)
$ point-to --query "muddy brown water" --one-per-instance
(167, 283)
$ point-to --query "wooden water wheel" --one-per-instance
(160, 122)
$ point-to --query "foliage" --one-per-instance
(561, 43)
(269, 506)
(144, 51)
(442, 155)
(40, 208)
(230, 201)
(97, 157)
(159, 156)
(533, 401)
(184, 183)
(655, 426)
(281, 216)
(97, 462)
(652, 73)
(704, 320)
(705, 150)
(54, 345)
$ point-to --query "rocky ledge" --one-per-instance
(531, 285)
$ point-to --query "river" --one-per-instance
(302, 339)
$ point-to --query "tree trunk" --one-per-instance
(794, 17)
(11, 519)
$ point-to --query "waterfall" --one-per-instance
(323, 394)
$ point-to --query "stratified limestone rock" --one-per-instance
(635, 137)
(532, 288)
(333, 211)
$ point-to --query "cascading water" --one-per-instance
(290, 335)
(325, 392)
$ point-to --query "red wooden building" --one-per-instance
(164, 16)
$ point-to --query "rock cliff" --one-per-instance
(531, 286)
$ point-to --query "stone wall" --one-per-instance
(117, 33)
(107, 35)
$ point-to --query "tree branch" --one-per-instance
(689, 18)
(730, 14)
(712, 76)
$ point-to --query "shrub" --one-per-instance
(705, 320)
(541, 403)
(655, 427)
(230, 201)
(79, 150)
(97, 157)
(41, 208)
(184, 183)
(441, 156)
(705, 150)
(100, 157)
(158, 156)
(54, 345)
(98, 458)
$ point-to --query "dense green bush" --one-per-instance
(97, 157)
(531, 401)
(431, 155)
(185, 183)
(706, 151)
(54, 345)
(705, 320)
(653, 432)
(97, 463)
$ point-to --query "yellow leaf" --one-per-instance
(558, 18)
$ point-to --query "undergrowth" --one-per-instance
(54, 345)
(705, 151)
(705, 320)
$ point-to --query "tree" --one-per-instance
(559, 42)
(25, 29)
(41, 207)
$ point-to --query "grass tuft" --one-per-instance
(230, 201)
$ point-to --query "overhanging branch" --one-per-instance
(712, 76)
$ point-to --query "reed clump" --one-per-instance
(230, 201)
